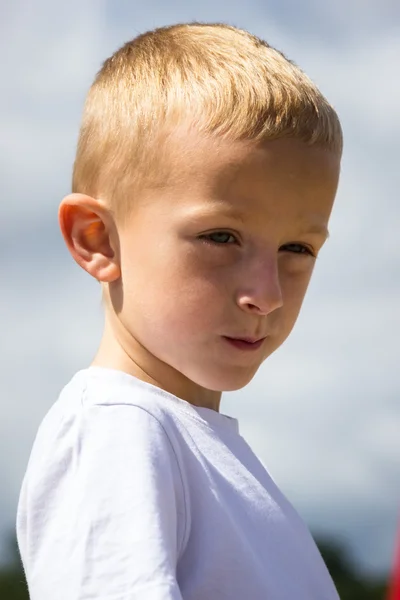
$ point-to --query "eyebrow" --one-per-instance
(319, 229)
(233, 213)
(216, 211)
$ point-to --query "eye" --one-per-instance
(220, 238)
(298, 249)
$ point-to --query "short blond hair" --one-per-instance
(224, 80)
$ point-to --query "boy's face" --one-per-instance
(223, 250)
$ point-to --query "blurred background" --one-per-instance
(323, 413)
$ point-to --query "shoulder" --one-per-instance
(96, 432)
(95, 414)
(104, 455)
(98, 394)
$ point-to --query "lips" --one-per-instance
(249, 340)
(246, 343)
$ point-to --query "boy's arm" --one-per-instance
(104, 522)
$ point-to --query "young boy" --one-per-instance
(203, 184)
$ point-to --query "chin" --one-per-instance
(227, 382)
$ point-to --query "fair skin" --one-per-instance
(223, 249)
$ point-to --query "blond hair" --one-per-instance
(224, 80)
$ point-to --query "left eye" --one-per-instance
(219, 237)
(298, 249)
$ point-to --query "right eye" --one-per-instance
(219, 238)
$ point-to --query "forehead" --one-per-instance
(243, 177)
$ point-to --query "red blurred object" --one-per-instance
(394, 593)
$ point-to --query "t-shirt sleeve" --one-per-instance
(105, 516)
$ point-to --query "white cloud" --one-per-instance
(54, 51)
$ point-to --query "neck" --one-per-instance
(119, 350)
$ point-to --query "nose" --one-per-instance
(261, 291)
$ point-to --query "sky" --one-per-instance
(323, 413)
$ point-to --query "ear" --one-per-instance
(90, 235)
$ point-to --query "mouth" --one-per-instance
(245, 343)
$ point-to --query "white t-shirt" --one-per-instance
(131, 492)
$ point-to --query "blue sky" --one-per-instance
(324, 412)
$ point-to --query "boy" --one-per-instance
(205, 175)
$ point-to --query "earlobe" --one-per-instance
(87, 229)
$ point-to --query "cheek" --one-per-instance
(172, 296)
(191, 304)
(294, 288)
